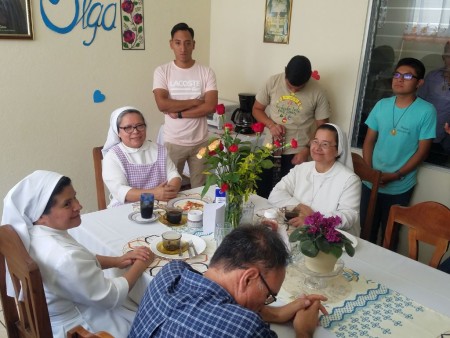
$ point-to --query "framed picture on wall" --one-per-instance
(15, 19)
(277, 23)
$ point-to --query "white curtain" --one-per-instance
(429, 19)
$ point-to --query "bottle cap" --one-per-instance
(271, 213)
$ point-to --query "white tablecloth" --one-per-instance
(106, 232)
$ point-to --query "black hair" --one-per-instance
(62, 183)
(298, 70)
(181, 27)
(251, 245)
(125, 112)
(417, 65)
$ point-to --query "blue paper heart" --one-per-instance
(98, 96)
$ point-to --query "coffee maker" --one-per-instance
(242, 117)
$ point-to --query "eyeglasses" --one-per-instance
(272, 297)
(324, 145)
(131, 129)
(406, 76)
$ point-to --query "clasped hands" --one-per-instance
(138, 254)
(165, 192)
(304, 211)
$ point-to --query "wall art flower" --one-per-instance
(132, 18)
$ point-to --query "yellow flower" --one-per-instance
(214, 145)
(201, 153)
(269, 146)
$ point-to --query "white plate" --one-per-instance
(135, 216)
(350, 237)
(199, 244)
(180, 202)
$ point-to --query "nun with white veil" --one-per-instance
(326, 184)
(41, 208)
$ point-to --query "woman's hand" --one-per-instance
(165, 192)
(304, 211)
(140, 253)
(301, 156)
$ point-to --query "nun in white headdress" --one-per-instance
(133, 165)
(41, 208)
(326, 184)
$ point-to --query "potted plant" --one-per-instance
(321, 243)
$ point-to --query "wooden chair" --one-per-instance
(371, 175)
(428, 222)
(98, 157)
(27, 318)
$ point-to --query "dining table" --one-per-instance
(375, 293)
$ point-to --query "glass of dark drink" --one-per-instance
(147, 203)
(290, 212)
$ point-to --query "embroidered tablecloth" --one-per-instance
(365, 308)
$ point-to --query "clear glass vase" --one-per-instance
(233, 209)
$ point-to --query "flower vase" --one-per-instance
(233, 209)
(322, 263)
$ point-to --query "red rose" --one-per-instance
(258, 127)
(212, 153)
(233, 148)
(221, 147)
(277, 144)
(224, 187)
(220, 109)
(129, 36)
(127, 6)
(137, 19)
(294, 143)
(228, 126)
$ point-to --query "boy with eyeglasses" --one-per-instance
(399, 136)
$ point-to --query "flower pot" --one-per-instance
(322, 263)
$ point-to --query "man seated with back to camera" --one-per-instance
(231, 298)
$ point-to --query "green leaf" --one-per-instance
(323, 244)
(295, 235)
(140, 29)
(308, 248)
(266, 164)
(349, 249)
(126, 18)
(336, 251)
(125, 45)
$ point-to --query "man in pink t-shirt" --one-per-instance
(185, 92)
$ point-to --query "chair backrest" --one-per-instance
(428, 222)
(366, 173)
(27, 317)
(100, 186)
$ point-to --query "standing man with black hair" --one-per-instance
(185, 92)
(400, 132)
(289, 105)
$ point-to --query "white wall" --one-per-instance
(49, 120)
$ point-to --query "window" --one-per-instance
(398, 29)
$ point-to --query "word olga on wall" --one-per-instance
(91, 15)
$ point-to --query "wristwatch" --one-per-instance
(401, 177)
(179, 115)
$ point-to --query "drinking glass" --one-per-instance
(147, 203)
(248, 210)
(220, 231)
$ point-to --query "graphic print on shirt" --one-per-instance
(288, 107)
(183, 88)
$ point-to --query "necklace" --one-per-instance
(394, 125)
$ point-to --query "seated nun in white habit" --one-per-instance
(326, 184)
(41, 208)
(133, 165)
